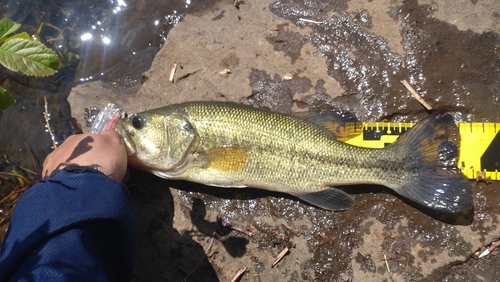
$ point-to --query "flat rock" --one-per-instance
(293, 56)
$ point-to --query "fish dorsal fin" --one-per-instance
(342, 126)
(231, 158)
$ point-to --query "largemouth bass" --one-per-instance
(231, 145)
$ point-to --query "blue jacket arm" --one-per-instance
(74, 226)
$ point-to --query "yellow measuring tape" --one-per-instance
(479, 145)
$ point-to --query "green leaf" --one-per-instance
(7, 28)
(23, 35)
(28, 57)
(5, 99)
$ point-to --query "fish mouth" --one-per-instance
(128, 141)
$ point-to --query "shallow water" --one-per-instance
(453, 69)
(116, 41)
(112, 41)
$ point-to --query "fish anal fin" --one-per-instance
(227, 159)
(332, 199)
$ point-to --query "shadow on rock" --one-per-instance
(163, 253)
(235, 246)
(459, 218)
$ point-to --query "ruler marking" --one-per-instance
(476, 138)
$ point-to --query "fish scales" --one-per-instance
(288, 154)
(231, 145)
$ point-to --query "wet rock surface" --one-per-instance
(344, 55)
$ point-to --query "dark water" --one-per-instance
(113, 41)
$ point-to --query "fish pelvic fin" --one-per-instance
(332, 199)
(434, 179)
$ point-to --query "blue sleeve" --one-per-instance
(74, 226)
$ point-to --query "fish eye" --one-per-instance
(137, 122)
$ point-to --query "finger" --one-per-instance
(60, 154)
(45, 170)
(111, 133)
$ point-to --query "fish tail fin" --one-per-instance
(434, 179)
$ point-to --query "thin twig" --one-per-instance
(172, 73)
(46, 115)
(481, 176)
(22, 180)
(238, 274)
(415, 94)
(309, 21)
(16, 175)
(35, 161)
(387, 264)
(206, 255)
(237, 4)
(280, 256)
(13, 192)
(490, 249)
(235, 227)
(225, 71)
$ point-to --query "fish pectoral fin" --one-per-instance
(227, 159)
(332, 199)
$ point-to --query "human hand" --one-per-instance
(104, 152)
